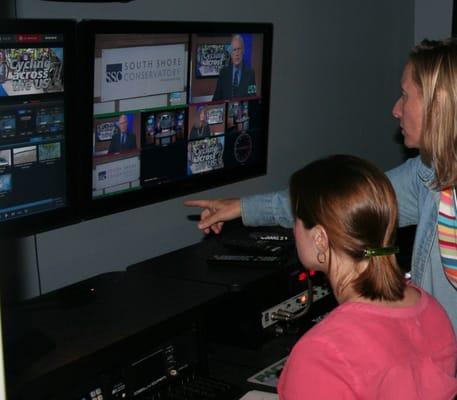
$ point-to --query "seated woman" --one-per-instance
(386, 339)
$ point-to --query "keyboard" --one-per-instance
(196, 387)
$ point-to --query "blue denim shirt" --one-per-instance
(418, 205)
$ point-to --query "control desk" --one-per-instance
(164, 328)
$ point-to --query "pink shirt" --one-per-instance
(363, 351)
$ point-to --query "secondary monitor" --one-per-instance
(171, 108)
(36, 179)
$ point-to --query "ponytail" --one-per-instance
(382, 279)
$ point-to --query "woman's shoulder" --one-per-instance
(412, 182)
(435, 317)
(337, 325)
(412, 167)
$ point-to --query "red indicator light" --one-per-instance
(302, 276)
(312, 272)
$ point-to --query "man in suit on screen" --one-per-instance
(237, 79)
(123, 139)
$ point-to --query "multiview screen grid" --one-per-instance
(160, 117)
(32, 132)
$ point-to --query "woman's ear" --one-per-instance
(320, 238)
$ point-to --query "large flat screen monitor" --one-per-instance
(171, 108)
(36, 182)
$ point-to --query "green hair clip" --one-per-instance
(381, 251)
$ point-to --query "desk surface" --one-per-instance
(190, 262)
(125, 305)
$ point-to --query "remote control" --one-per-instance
(271, 236)
(244, 260)
(256, 246)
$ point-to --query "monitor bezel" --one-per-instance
(86, 32)
(67, 214)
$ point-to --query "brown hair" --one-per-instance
(434, 70)
(355, 203)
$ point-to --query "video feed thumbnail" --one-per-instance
(25, 123)
(200, 127)
(25, 71)
(104, 130)
(116, 176)
(49, 151)
(143, 71)
(116, 150)
(242, 148)
(24, 155)
(163, 128)
(238, 116)
(50, 120)
(116, 134)
(206, 120)
(211, 58)
(140, 71)
(163, 164)
(5, 183)
(7, 124)
(226, 67)
(5, 158)
(205, 155)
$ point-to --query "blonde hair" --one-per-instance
(356, 205)
(434, 70)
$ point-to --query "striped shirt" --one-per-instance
(447, 233)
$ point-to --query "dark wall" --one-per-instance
(335, 77)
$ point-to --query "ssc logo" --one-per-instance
(113, 73)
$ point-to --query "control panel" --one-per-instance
(169, 371)
(321, 291)
(285, 310)
(141, 376)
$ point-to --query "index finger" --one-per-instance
(198, 203)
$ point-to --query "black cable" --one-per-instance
(15, 9)
(37, 263)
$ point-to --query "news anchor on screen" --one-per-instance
(237, 79)
(200, 128)
(123, 139)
